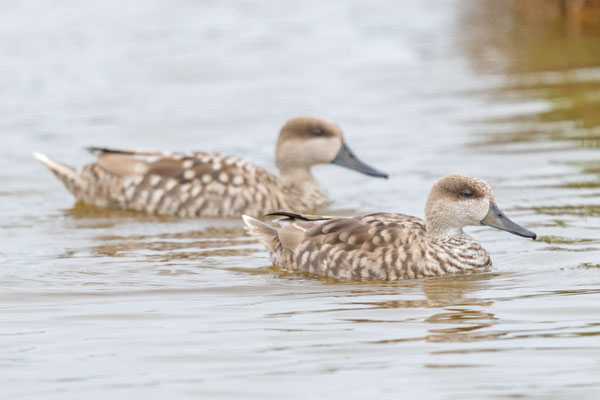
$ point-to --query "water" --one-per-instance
(98, 303)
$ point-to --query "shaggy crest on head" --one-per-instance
(202, 184)
(387, 246)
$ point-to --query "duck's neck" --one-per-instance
(447, 232)
(456, 250)
(301, 190)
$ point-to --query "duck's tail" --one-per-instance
(67, 175)
(266, 234)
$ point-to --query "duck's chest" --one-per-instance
(305, 197)
(458, 255)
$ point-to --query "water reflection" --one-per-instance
(499, 40)
(468, 322)
(581, 210)
(569, 115)
(589, 265)
(462, 316)
(211, 242)
(82, 211)
(540, 61)
(440, 292)
(570, 243)
(211, 238)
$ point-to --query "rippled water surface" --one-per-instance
(98, 303)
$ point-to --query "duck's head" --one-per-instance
(456, 201)
(307, 141)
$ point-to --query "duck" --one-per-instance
(389, 246)
(205, 184)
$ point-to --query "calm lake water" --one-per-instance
(98, 304)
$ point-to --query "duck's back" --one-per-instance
(182, 184)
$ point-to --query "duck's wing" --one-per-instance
(366, 231)
(179, 166)
(182, 167)
(302, 221)
(394, 221)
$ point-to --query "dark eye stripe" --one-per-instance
(317, 131)
(466, 192)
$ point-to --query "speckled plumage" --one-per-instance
(208, 184)
(379, 246)
(385, 246)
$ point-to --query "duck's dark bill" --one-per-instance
(346, 158)
(496, 219)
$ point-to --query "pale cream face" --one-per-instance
(456, 201)
(467, 212)
(307, 141)
(307, 152)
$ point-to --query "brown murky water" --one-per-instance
(103, 303)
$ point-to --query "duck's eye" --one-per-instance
(466, 193)
(317, 131)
